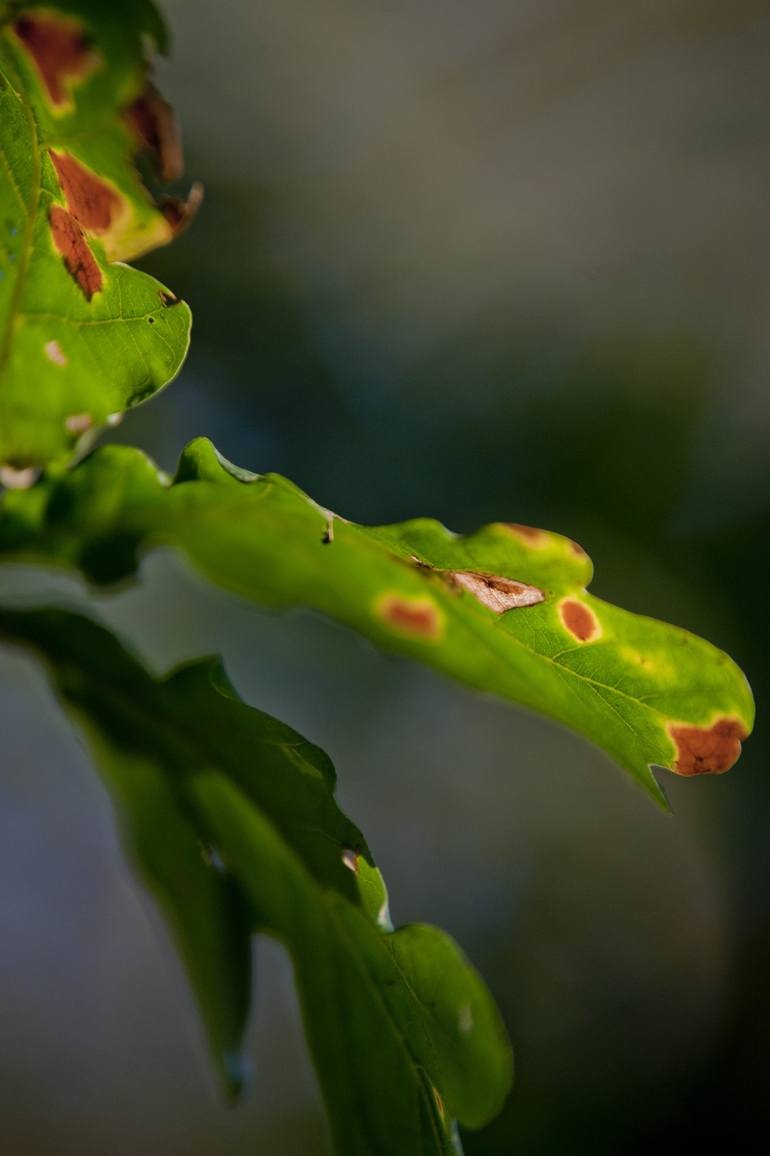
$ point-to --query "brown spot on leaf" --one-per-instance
(154, 125)
(419, 617)
(528, 534)
(91, 201)
(707, 750)
(577, 549)
(499, 594)
(59, 49)
(70, 242)
(350, 859)
(579, 620)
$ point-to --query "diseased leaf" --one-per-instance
(504, 609)
(231, 819)
(83, 337)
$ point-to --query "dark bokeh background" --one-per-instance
(501, 260)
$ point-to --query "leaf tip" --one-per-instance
(707, 750)
(235, 1072)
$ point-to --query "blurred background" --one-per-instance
(492, 261)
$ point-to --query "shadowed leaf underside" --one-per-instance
(230, 818)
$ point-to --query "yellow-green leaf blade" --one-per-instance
(503, 610)
(82, 337)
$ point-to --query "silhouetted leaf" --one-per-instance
(143, 756)
(230, 816)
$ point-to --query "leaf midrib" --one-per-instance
(489, 638)
(29, 228)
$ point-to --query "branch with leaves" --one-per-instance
(228, 815)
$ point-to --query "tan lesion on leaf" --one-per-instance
(496, 593)
(579, 620)
(576, 549)
(58, 47)
(416, 616)
(491, 590)
(529, 535)
(707, 750)
(102, 210)
(70, 242)
(538, 539)
(93, 203)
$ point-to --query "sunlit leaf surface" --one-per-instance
(505, 609)
(82, 336)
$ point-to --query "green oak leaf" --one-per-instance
(83, 337)
(404, 1036)
(143, 752)
(504, 609)
(231, 820)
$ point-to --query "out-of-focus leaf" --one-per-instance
(82, 336)
(504, 609)
(404, 1035)
(232, 821)
(143, 752)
